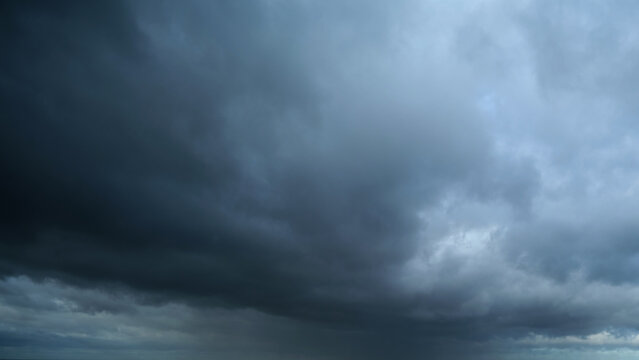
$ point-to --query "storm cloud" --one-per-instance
(321, 180)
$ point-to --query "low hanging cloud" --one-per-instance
(318, 180)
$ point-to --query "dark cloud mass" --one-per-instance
(318, 180)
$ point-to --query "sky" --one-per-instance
(319, 180)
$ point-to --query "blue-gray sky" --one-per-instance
(319, 180)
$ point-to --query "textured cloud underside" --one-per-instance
(281, 179)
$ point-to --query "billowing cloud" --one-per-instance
(318, 180)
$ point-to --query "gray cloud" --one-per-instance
(360, 180)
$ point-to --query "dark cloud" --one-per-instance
(155, 179)
(365, 180)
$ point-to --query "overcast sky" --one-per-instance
(319, 180)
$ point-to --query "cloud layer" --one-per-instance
(320, 180)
